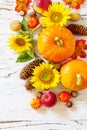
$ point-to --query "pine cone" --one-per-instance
(28, 85)
(77, 29)
(28, 69)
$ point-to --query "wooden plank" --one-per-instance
(44, 125)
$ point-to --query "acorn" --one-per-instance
(28, 69)
(15, 25)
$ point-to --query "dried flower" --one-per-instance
(79, 49)
(22, 5)
(35, 103)
(33, 22)
(74, 3)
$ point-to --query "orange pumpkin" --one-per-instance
(74, 75)
(56, 44)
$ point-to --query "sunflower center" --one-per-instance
(20, 41)
(46, 76)
(56, 17)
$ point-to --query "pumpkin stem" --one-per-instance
(59, 41)
(79, 79)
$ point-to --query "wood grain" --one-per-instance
(15, 111)
(47, 125)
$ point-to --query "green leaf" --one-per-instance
(25, 33)
(24, 25)
(31, 54)
(25, 56)
(31, 37)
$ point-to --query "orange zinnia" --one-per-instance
(22, 5)
(74, 3)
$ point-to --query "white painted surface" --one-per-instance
(15, 112)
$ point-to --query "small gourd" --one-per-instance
(56, 44)
(74, 75)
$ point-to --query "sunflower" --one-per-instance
(19, 43)
(57, 14)
(45, 76)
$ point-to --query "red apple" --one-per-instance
(48, 99)
(42, 4)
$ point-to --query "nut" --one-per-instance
(75, 16)
(74, 94)
(22, 13)
(69, 104)
(15, 25)
(39, 94)
(32, 14)
(58, 66)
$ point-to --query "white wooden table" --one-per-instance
(15, 112)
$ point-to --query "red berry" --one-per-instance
(64, 96)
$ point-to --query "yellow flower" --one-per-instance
(45, 76)
(19, 43)
(57, 14)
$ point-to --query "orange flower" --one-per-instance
(74, 3)
(33, 22)
(35, 103)
(79, 50)
(22, 5)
